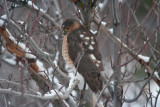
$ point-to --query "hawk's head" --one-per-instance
(69, 25)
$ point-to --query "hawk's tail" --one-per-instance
(94, 81)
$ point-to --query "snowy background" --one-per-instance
(41, 20)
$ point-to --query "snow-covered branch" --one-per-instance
(4, 81)
(126, 48)
(46, 57)
(30, 5)
(50, 96)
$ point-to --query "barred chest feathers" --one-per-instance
(65, 52)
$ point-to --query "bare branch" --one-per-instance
(124, 46)
(157, 97)
(141, 90)
(30, 5)
(6, 10)
(17, 84)
(47, 97)
(39, 51)
(46, 57)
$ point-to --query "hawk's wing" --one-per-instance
(89, 63)
(82, 40)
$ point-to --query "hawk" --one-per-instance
(80, 50)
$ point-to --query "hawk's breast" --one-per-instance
(65, 52)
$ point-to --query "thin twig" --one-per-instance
(133, 81)
(2, 81)
(30, 5)
(6, 10)
(39, 51)
(107, 85)
(125, 47)
(50, 97)
(47, 58)
(141, 90)
(79, 62)
(157, 98)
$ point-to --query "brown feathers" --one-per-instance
(79, 40)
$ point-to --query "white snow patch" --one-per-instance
(112, 84)
(20, 63)
(156, 74)
(40, 23)
(46, 53)
(52, 93)
(57, 12)
(73, 78)
(50, 69)
(66, 67)
(74, 93)
(50, 105)
(11, 37)
(104, 23)
(94, 32)
(40, 65)
(145, 70)
(11, 61)
(35, 7)
(101, 5)
(121, 42)
(22, 45)
(3, 49)
(57, 55)
(144, 58)
(21, 22)
(111, 30)
(56, 37)
(56, 81)
(123, 68)
(28, 55)
(56, 58)
(39, 93)
(55, 62)
(50, 73)
(66, 104)
(4, 16)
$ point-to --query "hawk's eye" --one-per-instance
(65, 30)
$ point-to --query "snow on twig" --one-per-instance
(144, 58)
(46, 57)
(126, 48)
(52, 96)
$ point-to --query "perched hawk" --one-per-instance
(80, 50)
